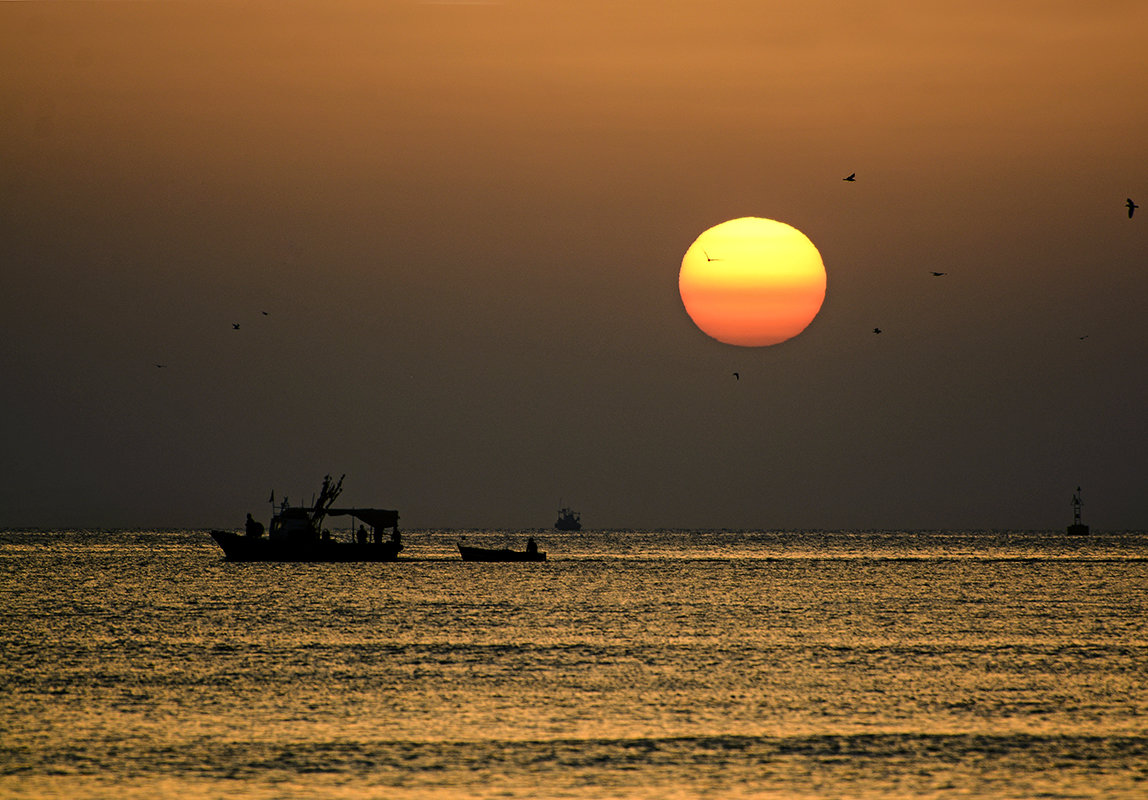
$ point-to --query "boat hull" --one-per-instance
(237, 547)
(504, 554)
(1078, 529)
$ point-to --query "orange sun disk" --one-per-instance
(752, 282)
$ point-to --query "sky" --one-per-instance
(465, 221)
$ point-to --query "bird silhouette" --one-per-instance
(876, 330)
(851, 177)
(939, 274)
(737, 376)
(707, 255)
(1085, 336)
(161, 366)
(1131, 207)
(235, 326)
(265, 313)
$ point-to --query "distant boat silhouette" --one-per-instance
(297, 533)
(1131, 207)
(1077, 528)
(852, 176)
(532, 553)
(568, 520)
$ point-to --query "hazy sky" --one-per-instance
(466, 220)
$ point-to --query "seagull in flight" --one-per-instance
(737, 376)
(161, 366)
(1131, 207)
(707, 255)
(235, 326)
(851, 177)
(939, 274)
(876, 330)
(265, 313)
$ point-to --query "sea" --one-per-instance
(632, 664)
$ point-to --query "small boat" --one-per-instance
(568, 520)
(1077, 528)
(297, 533)
(532, 553)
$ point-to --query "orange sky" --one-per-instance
(466, 221)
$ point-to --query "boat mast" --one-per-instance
(326, 498)
(1076, 504)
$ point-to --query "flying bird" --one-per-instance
(707, 255)
(1085, 336)
(1131, 207)
(939, 274)
(851, 177)
(235, 326)
(737, 376)
(876, 330)
(161, 366)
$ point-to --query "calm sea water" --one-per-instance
(633, 664)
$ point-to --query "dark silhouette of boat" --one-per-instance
(297, 533)
(1077, 528)
(568, 520)
(532, 553)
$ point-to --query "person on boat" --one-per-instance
(253, 527)
(396, 539)
(531, 545)
(361, 536)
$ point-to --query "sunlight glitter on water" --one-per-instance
(733, 664)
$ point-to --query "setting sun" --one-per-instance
(752, 282)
